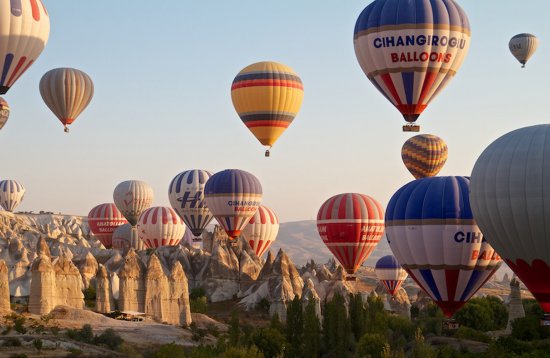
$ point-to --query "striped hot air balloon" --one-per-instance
(132, 197)
(267, 96)
(126, 237)
(103, 220)
(186, 194)
(351, 226)
(67, 92)
(432, 233)
(523, 46)
(390, 273)
(410, 50)
(262, 230)
(160, 226)
(24, 30)
(233, 196)
(4, 112)
(11, 194)
(424, 155)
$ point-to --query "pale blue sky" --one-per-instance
(163, 70)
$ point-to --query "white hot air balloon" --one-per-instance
(11, 194)
(523, 46)
(126, 237)
(160, 226)
(24, 30)
(133, 197)
(261, 230)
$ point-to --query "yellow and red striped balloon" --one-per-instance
(424, 155)
(267, 96)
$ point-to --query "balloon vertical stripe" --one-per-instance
(103, 220)
(262, 230)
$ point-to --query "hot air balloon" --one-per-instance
(432, 233)
(4, 112)
(160, 226)
(233, 196)
(24, 29)
(132, 197)
(11, 194)
(126, 237)
(67, 92)
(267, 96)
(523, 46)
(351, 226)
(424, 155)
(103, 219)
(261, 230)
(390, 273)
(510, 194)
(410, 50)
(186, 194)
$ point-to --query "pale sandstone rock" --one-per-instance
(309, 294)
(88, 269)
(104, 297)
(132, 283)
(157, 291)
(180, 309)
(42, 298)
(4, 289)
(68, 283)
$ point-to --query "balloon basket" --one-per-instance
(351, 278)
(411, 128)
(450, 324)
(234, 243)
(545, 320)
(267, 153)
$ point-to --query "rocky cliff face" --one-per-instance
(104, 295)
(4, 289)
(132, 283)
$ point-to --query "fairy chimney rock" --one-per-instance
(104, 295)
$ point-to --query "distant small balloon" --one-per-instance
(11, 194)
(523, 46)
(390, 273)
(4, 112)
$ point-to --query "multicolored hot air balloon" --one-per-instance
(411, 49)
(103, 220)
(24, 30)
(523, 46)
(351, 226)
(390, 273)
(186, 194)
(510, 194)
(11, 194)
(126, 237)
(132, 197)
(4, 112)
(160, 226)
(424, 155)
(267, 96)
(233, 196)
(432, 233)
(262, 230)
(67, 92)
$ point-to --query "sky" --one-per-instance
(162, 74)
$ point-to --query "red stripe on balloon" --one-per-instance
(451, 279)
(17, 68)
(427, 85)
(389, 83)
(270, 83)
(342, 207)
(35, 10)
(262, 215)
(164, 216)
(262, 123)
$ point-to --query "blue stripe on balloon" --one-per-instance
(472, 283)
(428, 277)
(233, 181)
(6, 69)
(387, 262)
(408, 84)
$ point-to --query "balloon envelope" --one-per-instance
(24, 29)
(125, 237)
(390, 273)
(186, 194)
(523, 46)
(262, 230)
(132, 197)
(11, 194)
(4, 112)
(160, 226)
(233, 196)
(510, 195)
(424, 155)
(103, 219)
(267, 96)
(351, 226)
(67, 92)
(432, 233)
(410, 50)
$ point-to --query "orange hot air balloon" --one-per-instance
(67, 92)
(424, 155)
(267, 96)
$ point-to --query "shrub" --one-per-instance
(199, 305)
(19, 325)
(37, 343)
(74, 352)
(371, 345)
(12, 342)
(472, 334)
(197, 293)
(85, 334)
(109, 338)
(171, 350)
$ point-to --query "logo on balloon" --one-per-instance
(469, 237)
(192, 200)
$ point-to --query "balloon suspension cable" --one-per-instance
(66, 129)
(267, 153)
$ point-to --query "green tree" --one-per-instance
(420, 348)
(242, 352)
(371, 345)
(276, 323)
(171, 350)
(294, 328)
(337, 335)
(109, 338)
(357, 315)
(430, 319)
(234, 329)
(269, 341)
(312, 331)
(376, 316)
(483, 314)
(37, 343)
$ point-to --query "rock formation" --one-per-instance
(132, 284)
(68, 284)
(104, 297)
(42, 298)
(399, 303)
(515, 306)
(88, 268)
(4, 289)
(157, 291)
(310, 295)
(180, 309)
